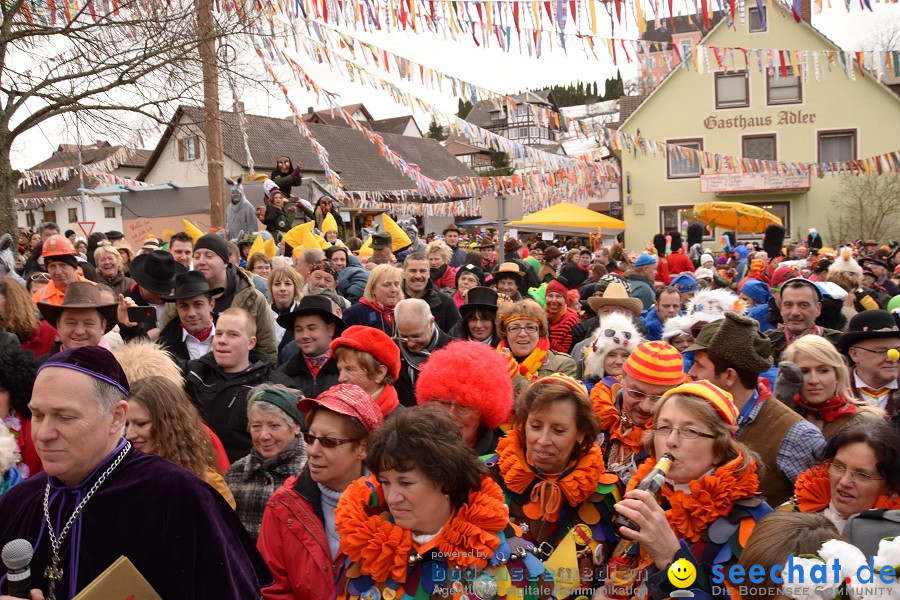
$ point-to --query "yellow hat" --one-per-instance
(366, 248)
(721, 401)
(257, 246)
(300, 237)
(329, 224)
(399, 237)
(269, 248)
(191, 230)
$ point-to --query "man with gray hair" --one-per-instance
(304, 260)
(71, 513)
(417, 336)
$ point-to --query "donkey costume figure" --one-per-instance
(240, 218)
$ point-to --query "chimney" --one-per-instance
(309, 110)
(805, 10)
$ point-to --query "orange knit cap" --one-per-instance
(718, 398)
(656, 363)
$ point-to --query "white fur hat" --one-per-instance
(845, 262)
(711, 305)
(676, 326)
(9, 450)
(705, 258)
(625, 336)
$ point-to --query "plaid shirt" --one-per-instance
(800, 446)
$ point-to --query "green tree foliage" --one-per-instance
(464, 108)
(500, 163)
(436, 131)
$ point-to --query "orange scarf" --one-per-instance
(611, 419)
(528, 368)
(711, 496)
(382, 549)
(575, 484)
(812, 491)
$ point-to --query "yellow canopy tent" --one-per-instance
(566, 217)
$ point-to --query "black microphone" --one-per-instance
(16, 556)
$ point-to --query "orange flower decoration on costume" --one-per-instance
(604, 400)
(710, 498)
(812, 491)
(382, 548)
(576, 486)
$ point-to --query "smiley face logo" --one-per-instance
(682, 573)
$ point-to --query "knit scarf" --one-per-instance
(828, 411)
(710, 497)
(528, 367)
(812, 492)
(616, 422)
(574, 484)
(790, 337)
(387, 400)
(386, 311)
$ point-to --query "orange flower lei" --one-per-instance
(382, 548)
(604, 400)
(812, 491)
(710, 498)
(546, 502)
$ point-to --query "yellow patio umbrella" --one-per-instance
(735, 216)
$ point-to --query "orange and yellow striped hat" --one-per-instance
(656, 363)
(718, 398)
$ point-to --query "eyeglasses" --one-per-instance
(838, 469)
(641, 396)
(613, 333)
(415, 339)
(39, 277)
(685, 433)
(327, 442)
(881, 351)
(462, 411)
(516, 329)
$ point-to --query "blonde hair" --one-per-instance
(522, 310)
(439, 247)
(819, 349)
(20, 311)
(108, 249)
(379, 274)
(284, 272)
(141, 358)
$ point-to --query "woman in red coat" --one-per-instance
(298, 539)
(18, 314)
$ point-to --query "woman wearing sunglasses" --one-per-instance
(298, 539)
(860, 471)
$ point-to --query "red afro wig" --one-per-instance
(472, 374)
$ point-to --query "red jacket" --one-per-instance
(679, 263)
(294, 544)
(42, 340)
(662, 271)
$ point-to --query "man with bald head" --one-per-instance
(417, 336)
(91, 473)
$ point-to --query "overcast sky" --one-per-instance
(491, 68)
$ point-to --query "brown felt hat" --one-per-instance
(80, 294)
(730, 340)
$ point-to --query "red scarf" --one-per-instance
(387, 400)
(386, 312)
(203, 334)
(828, 411)
(789, 337)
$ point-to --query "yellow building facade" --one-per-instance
(754, 114)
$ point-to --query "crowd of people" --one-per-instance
(463, 418)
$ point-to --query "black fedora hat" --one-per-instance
(190, 285)
(156, 271)
(480, 297)
(868, 325)
(314, 304)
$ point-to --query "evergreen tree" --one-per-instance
(436, 131)
(500, 163)
(464, 107)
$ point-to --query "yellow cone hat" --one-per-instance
(366, 248)
(329, 223)
(270, 248)
(301, 237)
(399, 237)
(191, 230)
(257, 246)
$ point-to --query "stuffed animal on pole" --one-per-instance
(240, 217)
(773, 241)
(695, 242)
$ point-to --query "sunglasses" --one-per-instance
(613, 333)
(327, 442)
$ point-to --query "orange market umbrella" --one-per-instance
(736, 216)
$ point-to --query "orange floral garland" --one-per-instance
(604, 400)
(576, 486)
(812, 491)
(382, 548)
(711, 496)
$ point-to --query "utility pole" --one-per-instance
(212, 124)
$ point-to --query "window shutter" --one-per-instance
(180, 149)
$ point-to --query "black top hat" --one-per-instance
(875, 261)
(80, 294)
(868, 325)
(480, 297)
(190, 285)
(156, 271)
(314, 304)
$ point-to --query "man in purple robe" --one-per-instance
(98, 498)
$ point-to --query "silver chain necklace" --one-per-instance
(54, 572)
